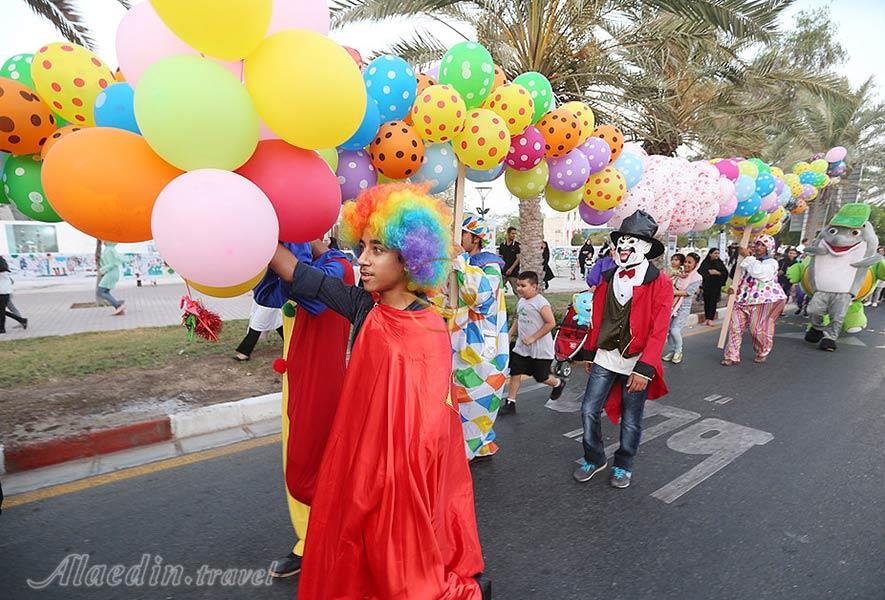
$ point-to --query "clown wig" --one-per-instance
(407, 219)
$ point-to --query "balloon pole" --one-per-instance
(738, 273)
(458, 213)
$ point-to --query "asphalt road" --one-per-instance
(763, 481)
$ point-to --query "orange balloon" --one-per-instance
(57, 135)
(801, 206)
(25, 120)
(500, 78)
(104, 181)
(397, 151)
(424, 82)
(227, 292)
(613, 137)
(561, 130)
(118, 76)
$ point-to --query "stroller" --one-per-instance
(569, 340)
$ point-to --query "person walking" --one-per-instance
(6, 287)
(509, 250)
(109, 268)
(713, 274)
(783, 265)
(684, 288)
(585, 256)
(548, 272)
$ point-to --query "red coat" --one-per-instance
(649, 323)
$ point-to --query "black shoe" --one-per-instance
(813, 336)
(827, 344)
(798, 311)
(557, 391)
(485, 585)
(507, 408)
(286, 567)
(24, 323)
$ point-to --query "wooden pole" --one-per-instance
(738, 273)
(458, 213)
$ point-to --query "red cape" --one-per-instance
(316, 358)
(393, 514)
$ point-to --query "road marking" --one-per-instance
(724, 400)
(846, 340)
(179, 461)
(712, 397)
(574, 433)
(676, 418)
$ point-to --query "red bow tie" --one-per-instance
(627, 273)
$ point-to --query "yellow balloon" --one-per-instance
(777, 172)
(307, 88)
(69, 78)
(438, 113)
(800, 167)
(514, 104)
(527, 184)
(228, 29)
(483, 143)
(563, 201)
(819, 166)
(737, 221)
(773, 229)
(776, 215)
(605, 189)
(747, 168)
(227, 292)
(585, 116)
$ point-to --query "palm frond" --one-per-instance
(756, 19)
(65, 17)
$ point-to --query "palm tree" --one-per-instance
(64, 16)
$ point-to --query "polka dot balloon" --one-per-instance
(424, 82)
(512, 103)
(438, 113)
(562, 201)
(397, 151)
(57, 135)
(500, 78)
(25, 121)
(604, 190)
(631, 167)
(18, 68)
(392, 82)
(23, 186)
(560, 130)
(355, 173)
(526, 150)
(440, 168)
(468, 67)
(598, 153)
(570, 172)
(585, 116)
(540, 90)
(613, 137)
(485, 176)
(483, 142)
(70, 77)
(527, 184)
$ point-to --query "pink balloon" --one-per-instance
(264, 132)
(728, 207)
(836, 154)
(215, 227)
(704, 168)
(769, 202)
(433, 70)
(726, 190)
(299, 14)
(728, 168)
(143, 39)
(707, 216)
(526, 150)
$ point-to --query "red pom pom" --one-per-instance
(279, 365)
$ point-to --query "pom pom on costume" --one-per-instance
(288, 310)
(199, 320)
(279, 365)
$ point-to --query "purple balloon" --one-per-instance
(728, 168)
(591, 216)
(778, 185)
(598, 152)
(355, 173)
(570, 172)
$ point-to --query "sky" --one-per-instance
(860, 24)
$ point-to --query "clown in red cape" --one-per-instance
(631, 316)
(393, 513)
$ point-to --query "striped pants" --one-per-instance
(760, 319)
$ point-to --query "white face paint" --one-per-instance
(630, 251)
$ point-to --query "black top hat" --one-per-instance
(641, 225)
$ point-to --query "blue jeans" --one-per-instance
(105, 294)
(674, 338)
(599, 383)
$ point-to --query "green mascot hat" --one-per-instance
(854, 214)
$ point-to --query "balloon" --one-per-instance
(800, 207)
(227, 292)
(728, 207)
(306, 88)
(748, 169)
(526, 150)
(483, 142)
(440, 168)
(808, 177)
(512, 103)
(631, 167)
(591, 216)
(303, 191)
(761, 165)
(364, 135)
(808, 192)
(304, 14)
(228, 29)
(801, 167)
(23, 186)
(613, 137)
(484, 176)
(397, 151)
(604, 190)
(560, 130)
(433, 71)
(760, 216)
(439, 113)
(25, 122)
(568, 173)
(392, 82)
(784, 197)
(198, 226)
(114, 108)
(728, 169)
(773, 229)
(705, 169)
(726, 190)
(837, 169)
(424, 82)
(764, 184)
(329, 156)
(355, 173)
(211, 123)
(468, 67)
(723, 219)
(821, 180)
(527, 184)
(744, 187)
(18, 68)
(57, 135)
(104, 182)
(836, 154)
(69, 77)
(562, 201)
(598, 152)
(769, 202)
(749, 206)
(540, 90)
(143, 39)
(820, 165)
(586, 118)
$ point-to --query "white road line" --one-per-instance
(724, 400)
(575, 433)
(712, 397)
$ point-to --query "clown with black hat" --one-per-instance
(631, 316)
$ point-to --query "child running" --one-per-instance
(685, 286)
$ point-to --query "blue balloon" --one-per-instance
(440, 167)
(367, 129)
(484, 176)
(749, 207)
(744, 187)
(765, 184)
(723, 220)
(631, 168)
(808, 177)
(785, 196)
(114, 108)
(392, 83)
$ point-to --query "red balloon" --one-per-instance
(302, 188)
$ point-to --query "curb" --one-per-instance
(178, 426)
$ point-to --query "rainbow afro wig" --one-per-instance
(405, 218)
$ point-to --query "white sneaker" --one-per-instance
(668, 356)
(677, 357)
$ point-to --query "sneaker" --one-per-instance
(119, 310)
(813, 336)
(485, 586)
(286, 567)
(827, 344)
(587, 470)
(668, 356)
(677, 357)
(620, 478)
(508, 407)
(557, 391)
(24, 323)
(798, 311)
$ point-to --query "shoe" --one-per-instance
(798, 311)
(620, 478)
(668, 356)
(24, 324)
(557, 391)
(119, 310)
(827, 344)
(485, 586)
(677, 358)
(813, 336)
(587, 470)
(240, 357)
(507, 408)
(286, 567)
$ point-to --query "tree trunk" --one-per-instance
(531, 224)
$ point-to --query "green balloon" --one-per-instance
(527, 184)
(563, 201)
(18, 68)
(541, 91)
(758, 217)
(330, 155)
(468, 67)
(763, 166)
(3, 198)
(21, 183)
(195, 114)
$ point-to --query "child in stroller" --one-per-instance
(572, 333)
